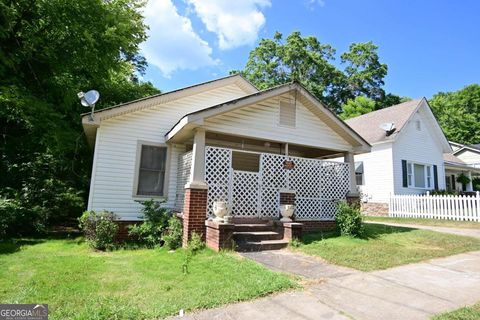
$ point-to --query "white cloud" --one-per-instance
(235, 22)
(172, 42)
(311, 4)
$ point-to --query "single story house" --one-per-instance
(465, 159)
(222, 140)
(410, 154)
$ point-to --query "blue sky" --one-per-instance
(429, 46)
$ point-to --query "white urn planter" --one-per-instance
(287, 210)
(219, 210)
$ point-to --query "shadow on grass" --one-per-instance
(12, 246)
(371, 231)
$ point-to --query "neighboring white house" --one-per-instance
(408, 159)
(465, 159)
(244, 145)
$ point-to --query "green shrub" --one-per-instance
(173, 235)
(443, 193)
(100, 229)
(349, 220)
(17, 220)
(150, 231)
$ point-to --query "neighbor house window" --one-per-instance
(359, 173)
(287, 114)
(151, 171)
(419, 175)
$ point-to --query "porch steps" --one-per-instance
(257, 235)
(262, 245)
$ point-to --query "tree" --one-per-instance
(50, 50)
(389, 100)
(356, 107)
(307, 60)
(364, 71)
(458, 113)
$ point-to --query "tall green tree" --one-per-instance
(364, 71)
(49, 51)
(356, 107)
(307, 60)
(458, 113)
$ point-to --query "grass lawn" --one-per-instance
(78, 283)
(385, 246)
(428, 222)
(467, 313)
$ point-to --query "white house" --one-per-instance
(408, 159)
(222, 140)
(465, 159)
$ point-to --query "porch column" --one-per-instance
(195, 205)
(353, 192)
(470, 184)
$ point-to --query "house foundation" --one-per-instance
(374, 209)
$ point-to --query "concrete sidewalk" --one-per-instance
(458, 231)
(415, 291)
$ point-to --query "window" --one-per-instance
(245, 161)
(359, 173)
(419, 175)
(151, 170)
(287, 114)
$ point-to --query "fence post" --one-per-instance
(478, 206)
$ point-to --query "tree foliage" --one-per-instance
(356, 107)
(305, 59)
(49, 51)
(459, 113)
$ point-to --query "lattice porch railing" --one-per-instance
(318, 185)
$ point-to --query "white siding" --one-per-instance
(262, 121)
(469, 157)
(377, 173)
(417, 146)
(116, 146)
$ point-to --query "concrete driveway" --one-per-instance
(415, 291)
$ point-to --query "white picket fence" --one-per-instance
(463, 208)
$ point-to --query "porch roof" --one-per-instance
(451, 162)
(183, 128)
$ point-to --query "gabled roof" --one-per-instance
(472, 147)
(196, 118)
(368, 125)
(146, 102)
(90, 127)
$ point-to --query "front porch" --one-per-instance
(254, 178)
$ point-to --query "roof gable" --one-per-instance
(160, 98)
(368, 125)
(309, 101)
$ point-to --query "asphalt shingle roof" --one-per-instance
(368, 125)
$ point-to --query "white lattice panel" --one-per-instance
(183, 173)
(218, 163)
(318, 184)
(245, 194)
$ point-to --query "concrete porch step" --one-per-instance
(261, 245)
(251, 227)
(240, 236)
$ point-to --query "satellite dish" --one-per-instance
(388, 127)
(89, 99)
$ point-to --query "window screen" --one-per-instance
(245, 161)
(151, 175)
